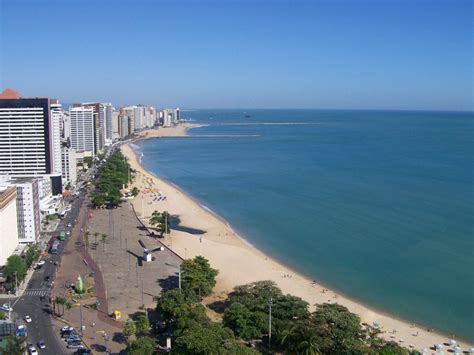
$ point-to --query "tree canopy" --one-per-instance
(198, 276)
(15, 265)
(112, 177)
(142, 346)
(212, 338)
(162, 220)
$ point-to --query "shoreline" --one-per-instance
(226, 252)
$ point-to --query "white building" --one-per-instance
(28, 208)
(55, 137)
(115, 125)
(139, 115)
(8, 223)
(82, 130)
(28, 136)
(69, 165)
(170, 116)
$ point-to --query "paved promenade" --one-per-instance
(122, 279)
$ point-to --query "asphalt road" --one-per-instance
(31, 303)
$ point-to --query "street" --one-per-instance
(33, 304)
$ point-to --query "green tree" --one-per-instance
(129, 328)
(15, 265)
(135, 191)
(162, 220)
(198, 276)
(142, 324)
(15, 345)
(60, 301)
(87, 235)
(181, 309)
(3, 315)
(300, 337)
(103, 237)
(199, 339)
(339, 330)
(141, 346)
(256, 295)
(245, 323)
(33, 253)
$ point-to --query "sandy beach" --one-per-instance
(240, 263)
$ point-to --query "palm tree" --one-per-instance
(300, 338)
(86, 238)
(162, 220)
(61, 301)
(103, 237)
(96, 235)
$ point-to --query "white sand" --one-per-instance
(240, 263)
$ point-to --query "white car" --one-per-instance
(5, 307)
(40, 263)
(27, 319)
(32, 350)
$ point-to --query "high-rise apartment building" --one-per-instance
(108, 122)
(28, 208)
(82, 130)
(130, 113)
(29, 136)
(55, 141)
(8, 223)
(69, 164)
(115, 125)
(124, 126)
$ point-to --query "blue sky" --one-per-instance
(406, 54)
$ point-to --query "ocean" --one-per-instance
(378, 205)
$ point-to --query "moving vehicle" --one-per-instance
(62, 235)
(32, 350)
(41, 344)
(27, 319)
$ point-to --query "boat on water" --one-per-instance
(247, 115)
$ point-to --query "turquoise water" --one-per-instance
(376, 204)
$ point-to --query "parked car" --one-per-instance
(5, 307)
(72, 338)
(75, 346)
(63, 329)
(84, 351)
(32, 350)
(28, 319)
(47, 278)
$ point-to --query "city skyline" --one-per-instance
(396, 55)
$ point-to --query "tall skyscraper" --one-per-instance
(82, 130)
(99, 123)
(29, 136)
(108, 122)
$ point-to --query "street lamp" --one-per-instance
(270, 303)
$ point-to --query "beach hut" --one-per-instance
(116, 314)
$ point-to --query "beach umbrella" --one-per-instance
(439, 346)
(451, 342)
(424, 350)
(471, 350)
(457, 348)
